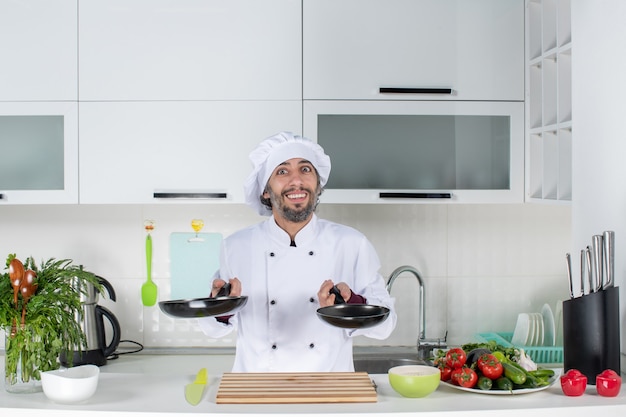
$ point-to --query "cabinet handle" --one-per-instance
(400, 90)
(1, 196)
(192, 194)
(415, 195)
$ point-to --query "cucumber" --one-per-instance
(515, 374)
(504, 384)
(534, 379)
(542, 373)
(484, 383)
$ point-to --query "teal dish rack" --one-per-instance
(539, 354)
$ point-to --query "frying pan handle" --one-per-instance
(224, 291)
(338, 298)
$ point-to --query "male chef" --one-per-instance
(287, 265)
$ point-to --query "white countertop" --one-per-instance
(150, 384)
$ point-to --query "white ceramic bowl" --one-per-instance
(70, 385)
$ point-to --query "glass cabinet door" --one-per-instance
(39, 144)
(397, 152)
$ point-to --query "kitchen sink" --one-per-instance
(380, 363)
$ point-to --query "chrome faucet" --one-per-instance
(424, 346)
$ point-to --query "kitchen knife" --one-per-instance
(568, 264)
(583, 270)
(195, 390)
(608, 238)
(589, 269)
(597, 246)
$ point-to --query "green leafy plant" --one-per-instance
(51, 320)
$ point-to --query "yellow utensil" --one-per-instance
(195, 390)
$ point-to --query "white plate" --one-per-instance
(531, 331)
(558, 321)
(500, 392)
(540, 332)
(549, 326)
(521, 333)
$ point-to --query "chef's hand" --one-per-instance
(235, 287)
(326, 298)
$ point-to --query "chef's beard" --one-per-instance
(294, 215)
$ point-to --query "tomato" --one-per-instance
(489, 366)
(455, 374)
(456, 358)
(573, 383)
(467, 378)
(608, 383)
(446, 372)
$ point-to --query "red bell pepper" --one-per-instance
(608, 383)
(573, 383)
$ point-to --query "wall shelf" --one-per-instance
(548, 101)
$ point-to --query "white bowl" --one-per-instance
(70, 385)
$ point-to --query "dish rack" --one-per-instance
(539, 354)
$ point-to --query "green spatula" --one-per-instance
(149, 288)
(195, 390)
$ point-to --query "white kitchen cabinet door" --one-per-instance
(353, 48)
(163, 152)
(424, 152)
(190, 50)
(38, 45)
(39, 148)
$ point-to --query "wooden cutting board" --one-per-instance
(295, 388)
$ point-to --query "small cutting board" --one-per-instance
(194, 259)
(296, 388)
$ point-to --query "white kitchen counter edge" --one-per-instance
(138, 385)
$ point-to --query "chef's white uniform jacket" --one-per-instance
(278, 329)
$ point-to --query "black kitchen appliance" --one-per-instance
(92, 323)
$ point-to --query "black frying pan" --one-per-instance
(221, 304)
(352, 316)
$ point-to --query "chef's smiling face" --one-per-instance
(293, 189)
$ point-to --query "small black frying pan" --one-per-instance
(219, 305)
(352, 316)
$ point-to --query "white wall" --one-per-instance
(482, 264)
(599, 139)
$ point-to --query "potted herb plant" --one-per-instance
(39, 311)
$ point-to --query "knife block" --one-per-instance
(591, 333)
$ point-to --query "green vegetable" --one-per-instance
(492, 346)
(515, 374)
(531, 382)
(50, 319)
(484, 383)
(534, 379)
(503, 383)
(542, 373)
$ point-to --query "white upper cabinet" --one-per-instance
(39, 148)
(190, 50)
(400, 152)
(38, 45)
(353, 48)
(160, 152)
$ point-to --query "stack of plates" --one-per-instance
(535, 329)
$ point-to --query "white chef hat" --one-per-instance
(274, 151)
